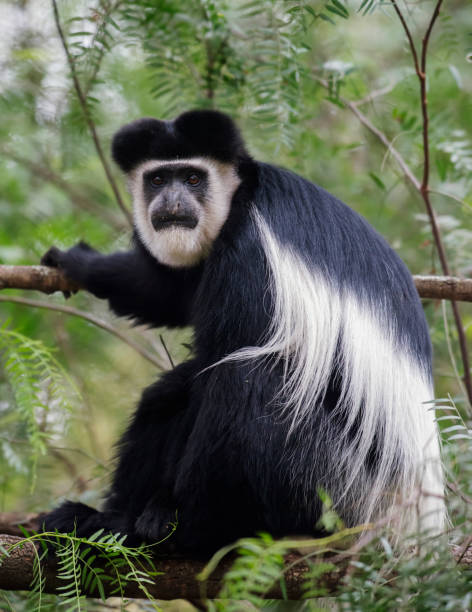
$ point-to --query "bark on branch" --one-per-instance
(177, 581)
(444, 288)
(49, 280)
(39, 278)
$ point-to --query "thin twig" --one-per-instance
(70, 468)
(91, 319)
(450, 350)
(378, 133)
(68, 449)
(455, 489)
(376, 93)
(408, 173)
(408, 35)
(420, 69)
(209, 90)
(88, 117)
(169, 356)
(424, 97)
(451, 196)
(423, 186)
(77, 198)
(465, 550)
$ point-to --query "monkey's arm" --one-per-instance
(135, 285)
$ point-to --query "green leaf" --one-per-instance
(336, 11)
(341, 7)
(377, 180)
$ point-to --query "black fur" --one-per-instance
(202, 133)
(206, 443)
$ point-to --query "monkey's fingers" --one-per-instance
(52, 258)
(84, 246)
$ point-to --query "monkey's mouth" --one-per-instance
(166, 221)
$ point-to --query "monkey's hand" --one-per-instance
(75, 263)
(83, 522)
(155, 523)
(70, 261)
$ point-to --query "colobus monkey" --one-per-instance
(312, 359)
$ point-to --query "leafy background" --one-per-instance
(67, 387)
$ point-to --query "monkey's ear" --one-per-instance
(210, 133)
(132, 143)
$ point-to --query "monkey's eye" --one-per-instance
(193, 180)
(157, 181)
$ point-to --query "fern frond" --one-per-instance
(35, 596)
(100, 564)
(69, 570)
(273, 54)
(41, 389)
(257, 569)
(459, 150)
(92, 37)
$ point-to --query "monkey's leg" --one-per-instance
(148, 455)
(84, 521)
(140, 503)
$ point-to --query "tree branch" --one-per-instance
(177, 581)
(49, 280)
(444, 287)
(179, 577)
(39, 278)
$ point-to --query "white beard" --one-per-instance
(181, 246)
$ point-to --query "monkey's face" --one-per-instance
(181, 205)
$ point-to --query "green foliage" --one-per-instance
(101, 564)
(317, 571)
(276, 40)
(92, 41)
(187, 49)
(258, 567)
(214, 54)
(40, 388)
(459, 151)
(329, 520)
(427, 580)
(70, 572)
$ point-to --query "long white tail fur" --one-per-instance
(317, 327)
